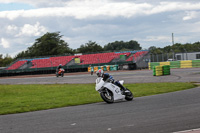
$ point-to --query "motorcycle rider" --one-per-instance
(108, 78)
(58, 67)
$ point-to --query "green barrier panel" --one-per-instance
(122, 57)
(175, 64)
(115, 67)
(152, 64)
(154, 70)
(195, 63)
(166, 70)
(111, 68)
(105, 68)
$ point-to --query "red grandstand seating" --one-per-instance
(61, 60)
(39, 63)
(85, 59)
(96, 58)
(16, 65)
(100, 58)
(51, 62)
(137, 56)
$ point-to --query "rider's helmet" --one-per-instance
(100, 73)
(60, 65)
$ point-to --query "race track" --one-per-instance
(139, 76)
(164, 113)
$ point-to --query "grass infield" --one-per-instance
(25, 98)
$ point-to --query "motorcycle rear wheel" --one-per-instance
(129, 96)
(107, 98)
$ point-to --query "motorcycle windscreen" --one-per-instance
(121, 82)
(99, 83)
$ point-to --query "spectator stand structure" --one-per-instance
(78, 63)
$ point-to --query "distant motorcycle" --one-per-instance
(60, 72)
(110, 92)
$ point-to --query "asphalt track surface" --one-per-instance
(139, 76)
(164, 113)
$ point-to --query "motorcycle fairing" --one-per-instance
(115, 89)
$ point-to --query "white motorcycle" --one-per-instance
(110, 92)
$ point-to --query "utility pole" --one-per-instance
(173, 44)
(172, 38)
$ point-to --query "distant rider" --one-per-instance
(108, 78)
(92, 70)
(58, 68)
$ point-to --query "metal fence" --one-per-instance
(174, 56)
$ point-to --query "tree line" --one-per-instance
(52, 44)
(176, 48)
(4, 61)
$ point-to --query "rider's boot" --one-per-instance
(123, 89)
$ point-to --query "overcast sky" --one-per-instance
(150, 23)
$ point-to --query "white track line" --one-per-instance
(189, 131)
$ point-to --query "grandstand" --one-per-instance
(16, 65)
(78, 62)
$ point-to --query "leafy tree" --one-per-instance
(48, 44)
(134, 45)
(90, 47)
(1, 60)
(176, 48)
(197, 46)
(5, 61)
(153, 49)
(117, 45)
(120, 45)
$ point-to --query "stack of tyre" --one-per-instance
(166, 69)
(157, 71)
(161, 70)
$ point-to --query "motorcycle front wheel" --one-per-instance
(107, 96)
(129, 96)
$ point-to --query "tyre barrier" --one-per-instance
(166, 70)
(157, 71)
(161, 70)
(195, 63)
(176, 64)
(105, 68)
(186, 64)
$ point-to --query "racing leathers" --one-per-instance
(109, 78)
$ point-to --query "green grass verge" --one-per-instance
(25, 98)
